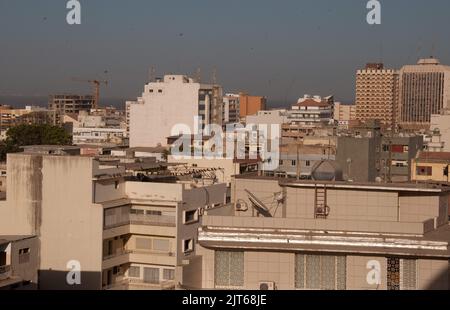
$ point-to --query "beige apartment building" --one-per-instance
(431, 166)
(344, 113)
(287, 234)
(123, 233)
(377, 94)
(424, 90)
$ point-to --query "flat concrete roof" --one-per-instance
(8, 239)
(405, 187)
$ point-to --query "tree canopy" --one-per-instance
(23, 135)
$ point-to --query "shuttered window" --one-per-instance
(320, 272)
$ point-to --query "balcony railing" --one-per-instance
(145, 219)
(156, 220)
(131, 283)
(126, 251)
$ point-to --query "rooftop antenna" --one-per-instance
(381, 52)
(151, 74)
(214, 76)
(433, 49)
(198, 75)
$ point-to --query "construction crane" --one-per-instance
(96, 85)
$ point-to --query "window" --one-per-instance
(160, 91)
(408, 271)
(143, 244)
(116, 184)
(162, 245)
(168, 274)
(281, 163)
(151, 90)
(424, 171)
(134, 272)
(151, 275)
(155, 213)
(294, 163)
(308, 163)
(320, 272)
(228, 269)
(188, 245)
(24, 255)
(190, 216)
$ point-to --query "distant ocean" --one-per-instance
(22, 101)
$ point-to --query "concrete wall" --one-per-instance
(71, 226)
(419, 208)
(192, 200)
(433, 274)
(280, 268)
(154, 191)
(362, 153)
(20, 214)
(357, 272)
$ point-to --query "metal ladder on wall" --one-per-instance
(321, 209)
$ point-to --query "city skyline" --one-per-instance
(258, 49)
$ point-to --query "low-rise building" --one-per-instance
(18, 262)
(120, 230)
(431, 166)
(289, 235)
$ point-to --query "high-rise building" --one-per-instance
(231, 108)
(250, 105)
(174, 100)
(377, 94)
(424, 90)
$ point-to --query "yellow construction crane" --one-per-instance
(96, 85)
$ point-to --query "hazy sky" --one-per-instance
(280, 49)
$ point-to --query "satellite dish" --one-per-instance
(258, 205)
(241, 205)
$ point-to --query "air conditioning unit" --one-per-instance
(267, 286)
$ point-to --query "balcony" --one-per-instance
(140, 284)
(153, 220)
(125, 256)
(5, 272)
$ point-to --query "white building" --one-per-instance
(98, 135)
(312, 111)
(440, 126)
(174, 100)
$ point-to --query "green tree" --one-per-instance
(23, 135)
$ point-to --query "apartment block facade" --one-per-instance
(123, 233)
(424, 90)
(377, 94)
(297, 235)
(173, 100)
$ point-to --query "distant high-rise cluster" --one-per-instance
(407, 97)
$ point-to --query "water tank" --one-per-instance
(326, 170)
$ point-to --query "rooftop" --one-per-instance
(405, 187)
(434, 156)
